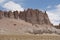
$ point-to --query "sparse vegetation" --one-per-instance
(29, 37)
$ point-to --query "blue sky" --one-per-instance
(37, 4)
(52, 7)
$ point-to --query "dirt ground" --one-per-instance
(29, 37)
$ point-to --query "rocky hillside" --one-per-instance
(30, 21)
(33, 16)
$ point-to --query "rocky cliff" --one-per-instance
(33, 16)
(31, 21)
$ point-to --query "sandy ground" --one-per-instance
(30, 37)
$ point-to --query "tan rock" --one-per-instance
(1, 14)
(33, 16)
(15, 13)
(10, 14)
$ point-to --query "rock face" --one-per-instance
(15, 13)
(10, 14)
(30, 21)
(1, 14)
(33, 16)
(5, 14)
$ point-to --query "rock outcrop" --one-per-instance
(57, 26)
(33, 16)
(30, 21)
(10, 14)
(1, 14)
(15, 13)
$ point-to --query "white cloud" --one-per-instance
(54, 15)
(48, 7)
(2, 1)
(13, 6)
(58, 6)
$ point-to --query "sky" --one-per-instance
(51, 6)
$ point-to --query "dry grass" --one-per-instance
(29, 37)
